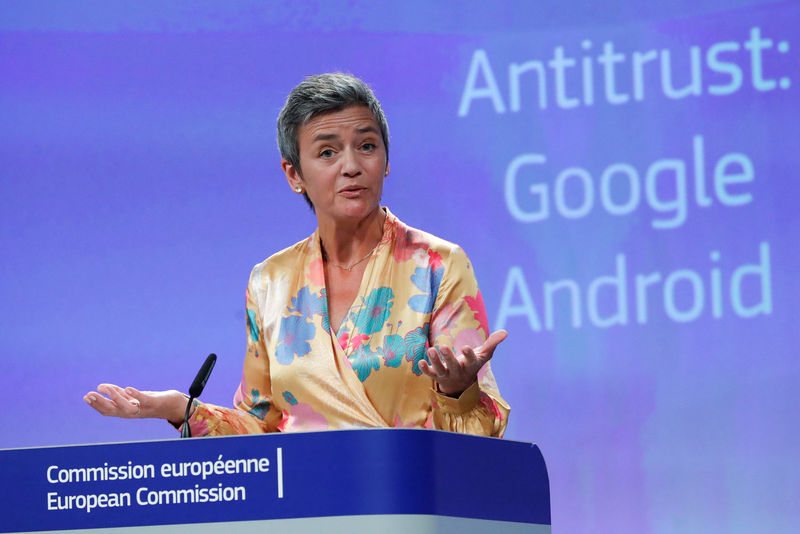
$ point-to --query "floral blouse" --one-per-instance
(302, 374)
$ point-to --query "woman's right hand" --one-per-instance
(130, 403)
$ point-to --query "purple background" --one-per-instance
(140, 182)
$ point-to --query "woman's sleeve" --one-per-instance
(254, 412)
(459, 320)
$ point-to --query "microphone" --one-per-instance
(202, 376)
(196, 389)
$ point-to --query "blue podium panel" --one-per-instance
(396, 480)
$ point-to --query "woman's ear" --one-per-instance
(292, 176)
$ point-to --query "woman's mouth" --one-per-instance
(352, 191)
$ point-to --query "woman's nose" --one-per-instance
(350, 163)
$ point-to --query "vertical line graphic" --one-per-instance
(280, 472)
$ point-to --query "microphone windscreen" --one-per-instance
(202, 376)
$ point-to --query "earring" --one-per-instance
(298, 189)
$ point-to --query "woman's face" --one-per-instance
(343, 163)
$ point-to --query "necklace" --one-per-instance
(349, 266)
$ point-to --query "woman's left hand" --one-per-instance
(455, 373)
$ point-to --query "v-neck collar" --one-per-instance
(364, 285)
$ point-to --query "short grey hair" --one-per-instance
(317, 95)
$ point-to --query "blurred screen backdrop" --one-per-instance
(622, 176)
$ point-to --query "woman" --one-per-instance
(366, 323)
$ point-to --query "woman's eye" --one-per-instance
(369, 147)
(327, 153)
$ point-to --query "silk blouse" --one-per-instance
(303, 374)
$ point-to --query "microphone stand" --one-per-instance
(186, 432)
(195, 390)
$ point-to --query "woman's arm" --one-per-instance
(131, 403)
(254, 412)
(465, 396)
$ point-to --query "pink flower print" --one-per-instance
(428, 422)
(443, 320)
(468, 337)
(315, 273)
(199, 427)
(240, 395)
(357, 340)
(281, 427)
(435, 259)
(420, 257)
(398, 423)
(304, 418)
(490, 406)
(479, 311)
(406, 244)
(343, 337)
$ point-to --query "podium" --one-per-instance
(375, 480)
